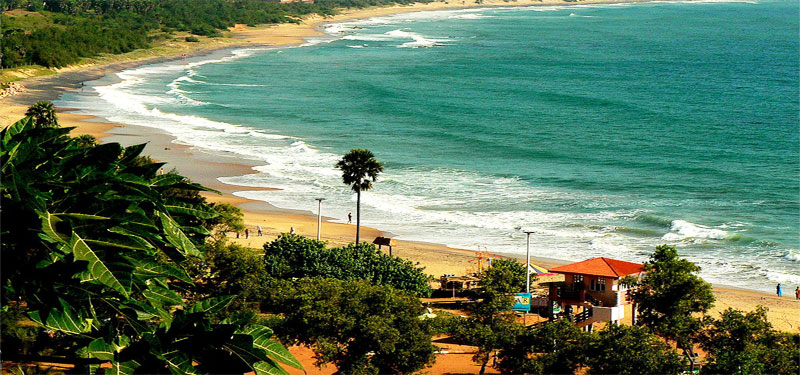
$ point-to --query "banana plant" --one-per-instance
(91, 244)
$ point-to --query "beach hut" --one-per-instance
(594, 284)
(385, 241)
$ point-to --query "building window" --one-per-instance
(577, 279)
(598, 284)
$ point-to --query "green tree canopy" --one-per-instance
(745, 343)
(491, 324)
(669, 295)
(552, 348)
(227, 269)
(43, 114)
(293, 256)
(91, 245)
(359, 170)
(619, 349)
(359, 327)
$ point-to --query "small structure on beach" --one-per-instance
(454, 284)
(594, 284)
(385, 241)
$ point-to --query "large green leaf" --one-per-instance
(139, 237)
(49, 223)
(166, 179)
(146, 312)
(162, 296)
(99, 349)
(242, 346)
(16, 128)
(131, 152)
(176, 237)
(122, 368)
(179, 363)
(262, 339)
(147, 269)
(211, 305)
(65, 319)
(268, 368)
(117, 244)
(200, 211)
(97, 267)
(81, 216)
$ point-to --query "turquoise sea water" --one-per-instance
(606, 129)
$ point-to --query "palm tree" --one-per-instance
(359, 170)
(43, 113)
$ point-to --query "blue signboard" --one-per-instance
(522, 302)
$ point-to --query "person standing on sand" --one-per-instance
(291, 230)
(797, 292)
(258, 228)
(246, 233)
(778, 290)
(349, 218)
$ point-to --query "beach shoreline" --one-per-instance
(205, 168)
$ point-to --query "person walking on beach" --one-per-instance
(349, 218)
(778, 290)
(246, 233)
(258, 228)
(797, 292)
(291, 230)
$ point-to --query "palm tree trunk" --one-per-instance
(358, 215)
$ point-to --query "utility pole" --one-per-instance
(319, 217)
(528, 263)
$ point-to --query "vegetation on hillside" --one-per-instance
(62, 32)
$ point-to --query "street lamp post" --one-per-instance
(528, 263)
(319, 217)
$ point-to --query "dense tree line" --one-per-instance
(74, 29)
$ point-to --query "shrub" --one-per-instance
(293, 256)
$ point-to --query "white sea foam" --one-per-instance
(370, 37)
(783, 278)
(683, 230)
(468, 16)
(420, 41)
(792, 255)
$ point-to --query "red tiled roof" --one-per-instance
(601, 267)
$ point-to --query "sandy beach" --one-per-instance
(206, 169)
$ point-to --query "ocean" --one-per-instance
(604, 129)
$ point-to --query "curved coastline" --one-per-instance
(206, 169)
